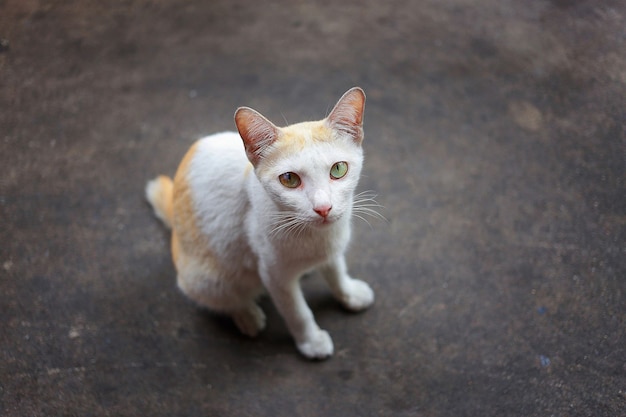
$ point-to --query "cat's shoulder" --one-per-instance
(210, 157)
(221, 140)
(216, 150)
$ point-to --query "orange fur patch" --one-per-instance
(295, 138)
(186, 236)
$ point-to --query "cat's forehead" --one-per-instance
(295, 138)
(309, 150)
(307, 147)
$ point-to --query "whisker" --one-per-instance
(283, 225)
(287, 224)
(292, 225)
(360, 197)
(365, 204)
(375, 215)
(368, 210)
(363, 218)
(368, 205)
(366, 197)
(299, 229)
(366, 194)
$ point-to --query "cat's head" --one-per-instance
(309, 169)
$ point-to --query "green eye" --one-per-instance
(289, 179)
(339, 170)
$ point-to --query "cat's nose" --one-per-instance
(323, 210)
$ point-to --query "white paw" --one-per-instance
(358, 296)
(318, 346)
(251, 321)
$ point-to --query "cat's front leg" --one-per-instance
(312, 342)
(354, 294)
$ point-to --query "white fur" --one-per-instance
(262, 235)
(239, 214)
(152, 192)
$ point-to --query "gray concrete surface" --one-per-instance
(495, 138)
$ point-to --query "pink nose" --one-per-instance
(323, 210)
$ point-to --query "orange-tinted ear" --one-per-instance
(347, 115)
(256, 131)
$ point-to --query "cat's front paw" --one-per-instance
(357, 296)
(319, 345)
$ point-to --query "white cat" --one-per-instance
(255, 215)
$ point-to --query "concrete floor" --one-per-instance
(495, 138)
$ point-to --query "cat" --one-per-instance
(253, 211)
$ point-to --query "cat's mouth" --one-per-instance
(325, 221)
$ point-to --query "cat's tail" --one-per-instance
(159, 193)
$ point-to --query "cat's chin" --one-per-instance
(324, 223)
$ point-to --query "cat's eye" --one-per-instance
(339, 170)
(289, 180)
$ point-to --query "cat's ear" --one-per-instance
(256, 131)
(347, 115)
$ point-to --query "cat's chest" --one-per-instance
(310, 249)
